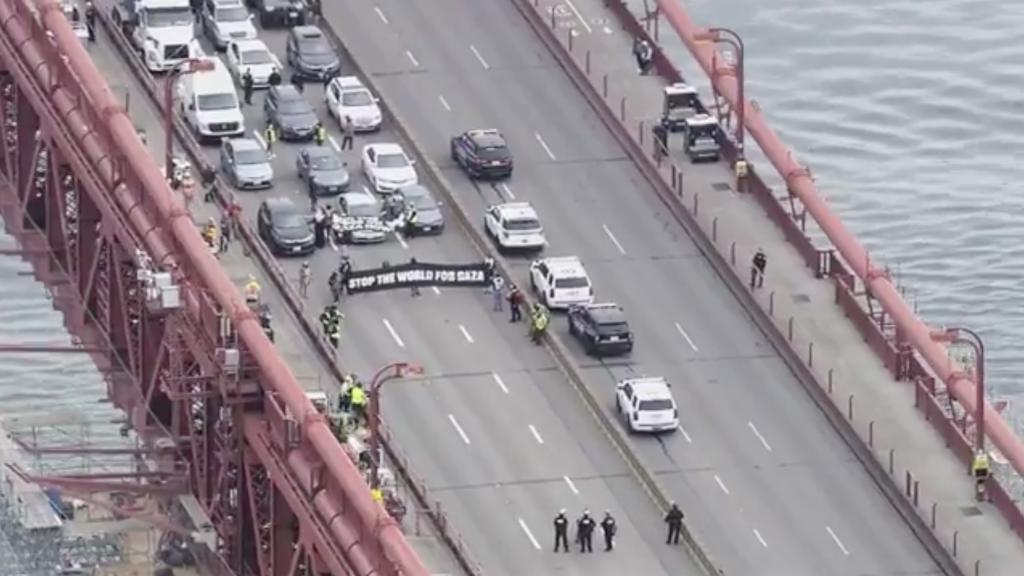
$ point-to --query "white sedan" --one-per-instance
(388, 167)
(254, 56)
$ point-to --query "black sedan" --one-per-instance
(601, 328)
(285, 227)
(322, 168)
(288, 111)
(482, 154)
(283, 13)
(422, 210)
(311, 54)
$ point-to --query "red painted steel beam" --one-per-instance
(275, 371)
(917, 333)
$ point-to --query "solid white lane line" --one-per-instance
(759, 437)
(536, 434)
(394, 334)
(401, 240)
(759, 538)
(380, 14)
(466, 333)
(501, 383)
(455, 424)
(366, 189)
(479, 57)
(259, 138)
(507, 190)
(721, 484)
(444, 103)
(436, 290)
(686, 337)
(685, 435)
(571, 485)
(412, 59)
(544, 145)
(334, 144)
(614, 239)
(837, 541)
(522, 524)
(578, 15)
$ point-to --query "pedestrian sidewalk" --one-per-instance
(800, 305)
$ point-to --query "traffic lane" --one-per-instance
(465, 463)
(755, 438)
(455, 59)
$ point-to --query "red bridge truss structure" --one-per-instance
(183, 355)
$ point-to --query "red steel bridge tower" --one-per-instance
(221, 415)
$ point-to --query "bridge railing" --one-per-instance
(77, 114)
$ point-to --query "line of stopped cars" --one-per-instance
(646, 403)
(210, 104)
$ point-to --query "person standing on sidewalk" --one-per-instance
(644, 57)
(305, 278)
(348, 131)
(757, 268)
(225, 232)
(660, 141)
(90, 20)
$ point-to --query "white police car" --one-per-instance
(646, 404)
(514, 226)
(561, 282)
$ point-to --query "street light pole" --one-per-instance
(733, 39)
(187, 67)
(972, 339)
(390, 372)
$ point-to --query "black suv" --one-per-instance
(601, 328)
(482, 154)
(284, 13)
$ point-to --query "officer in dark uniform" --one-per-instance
(609, 528)
(248, 84)
(90, 20)
(674, 519)
(585, 531)
(561, 530)
(757, 267)
(660, 141)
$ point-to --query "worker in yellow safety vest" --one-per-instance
(980, 470)
(377, 494)
(252, 291)
(358, 400)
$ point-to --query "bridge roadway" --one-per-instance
(768, 485)
(493, 427)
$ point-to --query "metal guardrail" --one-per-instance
(255, 247)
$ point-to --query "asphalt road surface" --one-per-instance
(500, 437)
(767, 484)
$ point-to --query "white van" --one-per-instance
(210, 104)
(646, 404)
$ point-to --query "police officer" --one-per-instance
(561, 531)
(320, 133)
(585, 531)
(248, 84)
(674, 519)
(757, 267)
(358, 400)
(608, 528)
(269, 138)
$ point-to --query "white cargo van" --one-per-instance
(209, 103)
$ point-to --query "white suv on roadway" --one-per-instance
(646, 404)
(561, 282)
(514, 225)
(346, 96)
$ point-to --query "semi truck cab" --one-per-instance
(161, 30)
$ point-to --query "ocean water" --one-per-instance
(911, 118)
